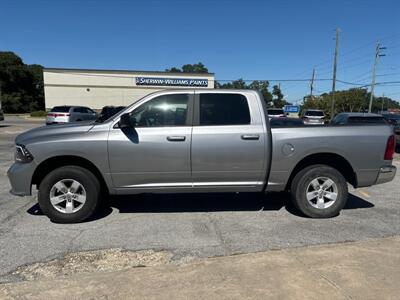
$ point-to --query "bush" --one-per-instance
(39, 113)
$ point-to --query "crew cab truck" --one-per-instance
(201, 140)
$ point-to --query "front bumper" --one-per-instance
(20, 176)
(386, 174)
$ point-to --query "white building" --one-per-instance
(98, 88)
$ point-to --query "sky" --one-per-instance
(263, 40)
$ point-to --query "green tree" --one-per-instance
(188, 68)
(351, 100)
(21, 84)
(278, 97)
(261, 86)
(174, 70)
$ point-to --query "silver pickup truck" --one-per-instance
(197, 141)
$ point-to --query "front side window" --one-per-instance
(167, 110)
(224, 109)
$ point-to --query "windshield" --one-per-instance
(275, 112)
(314, 113)
(60, 109)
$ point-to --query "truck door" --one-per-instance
(228, 142)
(155, 152)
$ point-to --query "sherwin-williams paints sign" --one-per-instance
(171, 81)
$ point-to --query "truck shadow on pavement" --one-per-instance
(175, 203)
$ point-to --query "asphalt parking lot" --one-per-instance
(187, 226)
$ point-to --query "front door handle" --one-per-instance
(176, 138)
(250, 137)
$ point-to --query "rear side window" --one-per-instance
(366, 120)
(60, 109)
(81, 110)
(224, 109)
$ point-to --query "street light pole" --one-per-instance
(334, 73)
(377, 55)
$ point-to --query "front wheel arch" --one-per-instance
(52, 163)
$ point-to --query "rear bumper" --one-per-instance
(386, 174)
(20, 176)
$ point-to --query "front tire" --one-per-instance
(69, 194)
(319, 191)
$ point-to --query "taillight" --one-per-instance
(55, 115)
(390, 148)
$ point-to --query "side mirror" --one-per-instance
(125, 121)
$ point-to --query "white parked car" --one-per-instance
(313, 117)
(276, 113)
(66, 114)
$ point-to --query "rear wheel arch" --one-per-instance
(333, 160)
(55, 162)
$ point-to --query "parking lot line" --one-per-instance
(365, 194)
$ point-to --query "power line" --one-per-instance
(388, 74)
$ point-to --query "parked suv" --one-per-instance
(66, 114)
(276, 113)
(313, 117)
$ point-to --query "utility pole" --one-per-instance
(312, 83)
(334, 73)
(377, 55)
(383, 100)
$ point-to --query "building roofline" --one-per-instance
(125, 71)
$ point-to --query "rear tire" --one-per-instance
(69, 194)
(319, 191)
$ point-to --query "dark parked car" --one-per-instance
(285, 122)
(393, 119)
(355, 118)
(109, 111)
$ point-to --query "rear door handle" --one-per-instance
(250, 137)
(176, 138)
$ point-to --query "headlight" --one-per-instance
(22, 154)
